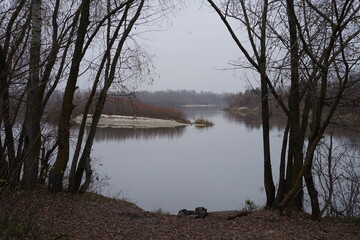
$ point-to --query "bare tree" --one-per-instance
(36, 39)
(336, 169)
(259, 62)
(57, 171)
(110, 71)
(36, 90)
(33, 37)
(314, 42)
(14, 38)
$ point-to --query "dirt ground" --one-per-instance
(41, 215)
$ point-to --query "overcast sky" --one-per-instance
(192, 51)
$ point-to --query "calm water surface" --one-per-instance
(217, 168)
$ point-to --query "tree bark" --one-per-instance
(4, 166)
(313, 193)
(45, 158)
(282, 173)
(32, 143)
(268, 178)
(295, 140)
(265, 114)
(57, 171)
(13, 171)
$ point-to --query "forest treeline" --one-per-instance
(249, 102)
(181, 98)
(249, 99)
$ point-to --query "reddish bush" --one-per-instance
(126, 107)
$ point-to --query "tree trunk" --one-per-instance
(295, 141)
(268, 179)
(305, 170)
(265, 114)
(73, 185)
(85, 157)
(313, 193)
(45, 158)
(4, 166)
(282, 181)
(84, 163)
(32, 143)
(3, 70)
(57, 171)
(13, 174)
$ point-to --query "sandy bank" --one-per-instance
(117, 121)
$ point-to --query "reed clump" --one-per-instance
(203, 122)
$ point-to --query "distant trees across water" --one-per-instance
(249, 98)
(181, 97)
(249, 101)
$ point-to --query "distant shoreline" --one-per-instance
(199, 106)
(118, 121)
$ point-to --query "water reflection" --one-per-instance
(122, 134)
(193, 113)
(347, 133)
(208, 167)
(176, 168)
(253, 121)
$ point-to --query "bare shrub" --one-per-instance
(338, 171)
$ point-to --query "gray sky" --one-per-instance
(192, 51)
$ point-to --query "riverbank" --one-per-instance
(118, 121)
(41, 215)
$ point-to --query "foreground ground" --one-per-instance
(40, 215)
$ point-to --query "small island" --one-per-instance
(120, 112)
(200, 122)
(119, 121)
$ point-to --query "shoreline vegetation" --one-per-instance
(121, 106)
(345, 120)
(120, 112)
(248, 104)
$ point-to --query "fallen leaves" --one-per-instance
(91, 216)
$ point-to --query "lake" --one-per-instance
(170, 169)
